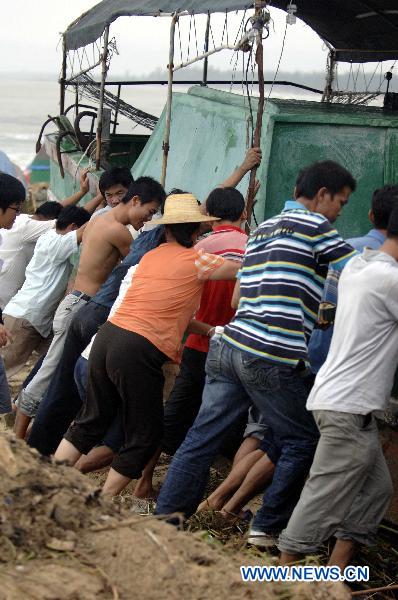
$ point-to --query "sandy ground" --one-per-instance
(59, 540)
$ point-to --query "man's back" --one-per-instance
(281, 283)
(46, 279)
(105, 241)
(358, 373)
(16, 250)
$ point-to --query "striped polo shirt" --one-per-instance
(281, 282)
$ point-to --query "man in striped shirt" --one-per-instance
(261, 358)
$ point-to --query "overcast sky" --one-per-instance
(30, 39)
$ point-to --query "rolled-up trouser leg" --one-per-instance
(25, 339)
(370, 504)
(125, 370)
(31, 396)
(348, 450)
(62, 402)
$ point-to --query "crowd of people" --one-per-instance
(276, 368)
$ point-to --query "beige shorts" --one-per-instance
(25, 339)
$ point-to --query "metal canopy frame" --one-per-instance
(330, 21)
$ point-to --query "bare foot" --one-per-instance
(144, 491)
(210, 504)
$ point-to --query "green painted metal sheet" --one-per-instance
(209, 136)
(207, 142)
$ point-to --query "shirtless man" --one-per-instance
(105, 241)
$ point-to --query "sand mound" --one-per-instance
(60, 540)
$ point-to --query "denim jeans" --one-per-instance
(61, 401)
(234, 381)
(5, 398)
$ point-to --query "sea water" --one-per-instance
(26, 103)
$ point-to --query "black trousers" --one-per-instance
(62, 402)
(124, 373)
(185, 399)
(184, 402)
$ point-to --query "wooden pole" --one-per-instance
(104, 58)
(260, 111)
(170, 69)
(206, 59)
(331, 66)
(119, 89)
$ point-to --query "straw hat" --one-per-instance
(183, 208)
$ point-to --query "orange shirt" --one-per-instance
(165, 294)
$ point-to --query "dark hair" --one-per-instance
(11, 191)
(147, 189)
(326, 173)
(114, 176)
(176, 191)
(72, 214)
(392, 227)
(384, 200)
(182, 232)
(49, 210)
(226, 203)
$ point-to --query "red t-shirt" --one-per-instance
(215, 305)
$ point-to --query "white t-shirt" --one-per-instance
(100, 211)
(16, 249)
(358, 373)
(46, 279)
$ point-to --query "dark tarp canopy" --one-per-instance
(88, 28)
(360, 31)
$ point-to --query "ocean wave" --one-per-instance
(20, 137)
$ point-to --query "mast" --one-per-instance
(104, 69)
(331, 71)
(206, 59)
(170, 70)
(260, 110)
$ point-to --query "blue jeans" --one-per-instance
(234, 381)
(5, 398)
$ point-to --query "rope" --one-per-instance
(189, 36)
(196, 38)
(249, 59)
(279, 63)
(179, 38)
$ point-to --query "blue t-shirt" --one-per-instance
(373, 240)
(146, 241)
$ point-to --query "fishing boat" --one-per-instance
(201, 135)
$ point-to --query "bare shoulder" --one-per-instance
(117, 230)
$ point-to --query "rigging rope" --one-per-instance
(90, 90)
(279, 63)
